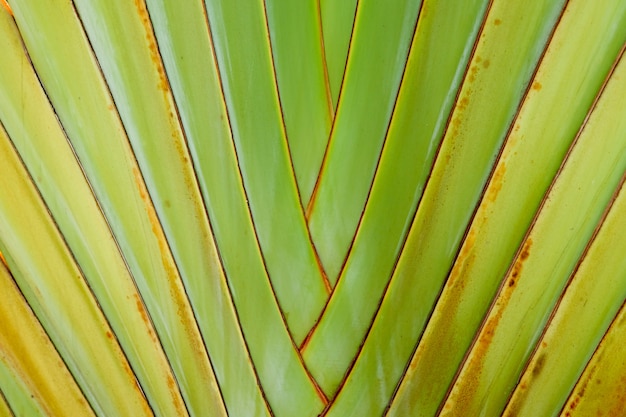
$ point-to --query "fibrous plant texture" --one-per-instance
(312, 208)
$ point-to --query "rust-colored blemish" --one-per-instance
(490, 329)
(109, 334)
(173, 388)
(497, 22)
(6, 6)
(143, 193)
(171, 384)
(472, 74)
(518, 399)
(464, 395)
(173, 280)
(464, 257)
(526, 250)
(512, 409)
(144, 316)
(517, 267)
(484, 340)
(538, 366)
(434, 347)
(155, 56)
(478, 59)
(536, 86)
(467, 249)
(4, 261)
(479, 352)
(152, 217)
(132, 377)
(495, 185)
(178, 297)
(617, 399)
(580, 392)
(486, 63)
(141, 309)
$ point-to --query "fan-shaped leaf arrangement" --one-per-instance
(338, 208)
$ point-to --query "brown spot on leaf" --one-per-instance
(617, 398)
(486, 63)
(538, 366)
(472, 74)
(525, 251)
(497, 22)
(536, 86)
(171, 383)
(495, 185)
(144, 316)
(519, 263)
(155, 56)
(580, 392)
(479, 353)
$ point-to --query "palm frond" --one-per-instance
(248, 208)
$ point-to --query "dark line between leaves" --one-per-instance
(320, 266)
(256, 237)
(539, 209)
(329, 99)
(381, 152)
(414, 214)
(530, 227)
(4, 400)
(567, 285)
(311, 204)
(149, 202)
(601, 344)
(285, 138)
(70, 254)
(371, 186)
(595, 232)
(444, 131)
(80, 165)
(240, 177)
(18, 289)
(194, 170)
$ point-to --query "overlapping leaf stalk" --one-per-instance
(266, 207)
